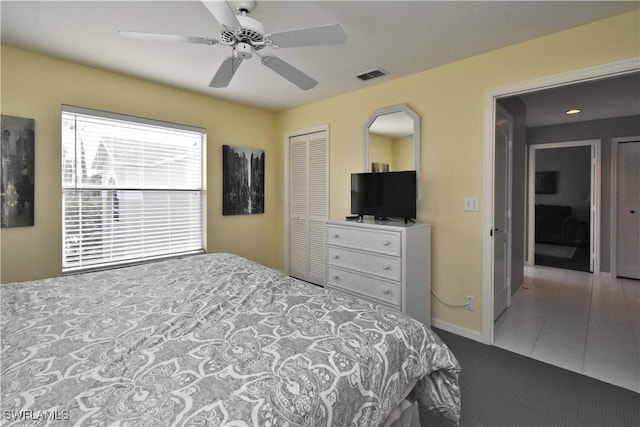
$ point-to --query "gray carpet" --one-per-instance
(500, 388)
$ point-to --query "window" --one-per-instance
(132, 189)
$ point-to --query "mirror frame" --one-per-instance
(417, 126)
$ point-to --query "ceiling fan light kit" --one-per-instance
(252, 31)
(243, 50)
(246, 35)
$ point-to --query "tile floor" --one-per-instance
(578, 321)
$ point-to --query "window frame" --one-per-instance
(76, 186)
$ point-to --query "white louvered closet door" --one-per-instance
(298, 208)
(308, 205)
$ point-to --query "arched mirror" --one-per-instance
(392, 141)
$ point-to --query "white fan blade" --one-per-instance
(312, 36)
(225, 72)
(289, 72)
(222, 11)
(134, 35)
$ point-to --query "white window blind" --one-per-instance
(132, 189)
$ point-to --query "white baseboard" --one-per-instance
(458, 330)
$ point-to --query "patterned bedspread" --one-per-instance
(210, 340)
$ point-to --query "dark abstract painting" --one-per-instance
(243, 180)
(546, 182)
(17, 171)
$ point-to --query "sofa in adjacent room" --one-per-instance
(556, 225)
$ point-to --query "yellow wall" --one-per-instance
(448, 98)
(450, 101)
(36, 86)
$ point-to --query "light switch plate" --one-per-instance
(471, 204)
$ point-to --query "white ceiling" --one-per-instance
(599, 99)
(401, 37)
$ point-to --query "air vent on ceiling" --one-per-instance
(371, 74)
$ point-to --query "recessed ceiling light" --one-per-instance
(573, 111)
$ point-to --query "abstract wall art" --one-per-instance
(243, 180)
(17, 171)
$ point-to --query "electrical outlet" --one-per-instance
(469, 302)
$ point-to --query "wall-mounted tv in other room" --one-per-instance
(385, 195)
(546, 182)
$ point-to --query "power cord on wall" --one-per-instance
(447, 303)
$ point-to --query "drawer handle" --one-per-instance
(386, 267)
(336, 277)
(336, 257)
(386, 243)
(386, 292)
(335, 236)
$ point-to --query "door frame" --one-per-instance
(615, 142)
(617, 68)
(595, 210)
(287, 137)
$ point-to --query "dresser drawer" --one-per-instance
(384, 242)
(389, 267)
(384, 304)
(366, 287)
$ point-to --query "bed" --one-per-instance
(211, 340)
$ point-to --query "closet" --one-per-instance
(307, 207)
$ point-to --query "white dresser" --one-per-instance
(388, 263)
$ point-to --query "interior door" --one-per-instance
(318, 205)
(501, 230)
(308, 205)
(298, 207)
(628, 210)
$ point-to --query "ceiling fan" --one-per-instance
(246, 36)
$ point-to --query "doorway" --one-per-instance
(490, 266)
(564, 205)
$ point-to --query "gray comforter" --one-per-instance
(210, 340)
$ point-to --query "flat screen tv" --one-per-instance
(385, 195)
